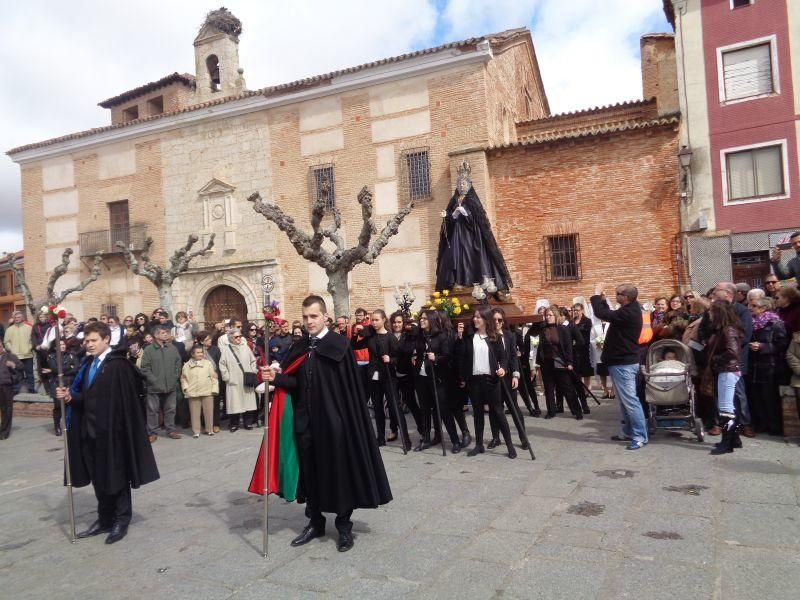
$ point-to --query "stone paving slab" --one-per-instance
(587, 519)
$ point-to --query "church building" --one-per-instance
(183, 153)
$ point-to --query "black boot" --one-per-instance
(729, 435)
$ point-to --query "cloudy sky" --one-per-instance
(61, 58)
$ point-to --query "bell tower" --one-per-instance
(216, 57)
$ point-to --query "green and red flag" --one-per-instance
(283, 463)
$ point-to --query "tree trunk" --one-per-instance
(165, 298)
(338, 289)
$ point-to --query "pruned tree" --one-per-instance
(161, 277)
(51, 296)
(339, 262)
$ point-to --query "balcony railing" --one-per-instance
(105, 241)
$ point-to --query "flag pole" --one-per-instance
(64, 433)
(267, 285)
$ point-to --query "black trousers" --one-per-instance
(405, 387)
(116, 507)
(378, 390)
(766, 409)
(308, 478)
(510, 402)
(527, 390)
(430, 416)
(558, 380)
(485, 389)
(6, 409)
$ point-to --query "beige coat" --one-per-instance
(199, 378)
(793, 358)
(18, 340)
(238, 398)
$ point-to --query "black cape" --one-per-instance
(123, 455)
(349, 468)
(468, 251)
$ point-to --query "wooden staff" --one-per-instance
(266, 442)
(65, 432)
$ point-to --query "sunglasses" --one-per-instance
(498, 320)
(253, 329)
(236, 337)
(689, 297)
(770, 283)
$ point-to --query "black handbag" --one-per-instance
(249, 378)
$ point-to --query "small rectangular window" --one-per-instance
(747, 72)
(131, 113)
(4, 286)
(740, 3)
(155, 106)
(562, 257)
(323, 183)
(419, 174)
(755, 173)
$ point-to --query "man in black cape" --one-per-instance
(108, 445)
(468, 251)
(340, 465)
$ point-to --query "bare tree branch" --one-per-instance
(339, 263)
(50, 296)
(94, 273)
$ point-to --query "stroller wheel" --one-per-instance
(699, 431)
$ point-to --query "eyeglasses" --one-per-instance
(689, 297)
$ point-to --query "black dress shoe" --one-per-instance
(95, 528)
(420, 446)
(118, 531)
(475, 451)
(466, 440)
(586, 411)
(512, 453)
(456, 448)
(493, 444)
(57, 430)
(549, 415)
(436, 441)
(536, 413)
(248, 427)
(233, 428)
(345, 542)
(309, 533)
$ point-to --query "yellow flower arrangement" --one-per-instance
(457, 310)
(436, 294)
(439, 301)
(465, 307)
(445, 292)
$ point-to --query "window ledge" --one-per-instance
(749, 98)
(754, 200)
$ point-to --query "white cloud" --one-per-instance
(61, 58)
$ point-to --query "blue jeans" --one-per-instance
(726, 387)
(634, 424)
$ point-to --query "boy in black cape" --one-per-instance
(108, 445)
(340, 465)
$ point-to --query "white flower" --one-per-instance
(534, 341)
(599, 340)
(443, 214)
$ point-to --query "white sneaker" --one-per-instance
(209, 433)
(196, 435)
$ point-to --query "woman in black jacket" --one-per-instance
(70, 363)
(482, 359)
(382, 347)
(556, 360)
(455, 400)
(766, 368)
(406, 335)
(434, 352)
(724, 350)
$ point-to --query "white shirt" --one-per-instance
(480, 355)
(102, 357)
(116, 334)
(322, 333)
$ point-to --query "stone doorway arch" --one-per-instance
(223, 302)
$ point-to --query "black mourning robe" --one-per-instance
(111, 410)
(330, 405)
(468, 251)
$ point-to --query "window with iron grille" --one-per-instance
(110, 310)
(419, 174)
(562, 257)
(322, 180)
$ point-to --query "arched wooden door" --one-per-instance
(224, 302)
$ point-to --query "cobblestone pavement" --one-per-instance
(587, 519)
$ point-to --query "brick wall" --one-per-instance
(619, 193)
(174, 96)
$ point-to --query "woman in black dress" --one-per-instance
(380, 374)
(556, 360)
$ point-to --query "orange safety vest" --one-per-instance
(646, 335)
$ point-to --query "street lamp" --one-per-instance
(685, 161)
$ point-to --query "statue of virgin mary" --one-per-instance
(468, 251)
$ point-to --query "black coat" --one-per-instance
(497, 356)
(406, 349)
(769, 363)
(123, 455)
(562, 350)
(330, 406)
(380, 345)
(583, 352)
(511, 362)
(622, 339)
(442, 346)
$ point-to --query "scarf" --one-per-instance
(761, 321)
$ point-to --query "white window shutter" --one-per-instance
(747, 72)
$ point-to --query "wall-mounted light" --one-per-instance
(685, 161)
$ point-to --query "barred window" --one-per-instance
(419, 174)
(562, 257)
(322, 182)
(110, 310)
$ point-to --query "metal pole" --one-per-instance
(64, 434)
(266, 442)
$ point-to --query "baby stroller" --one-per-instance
(668, 388)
